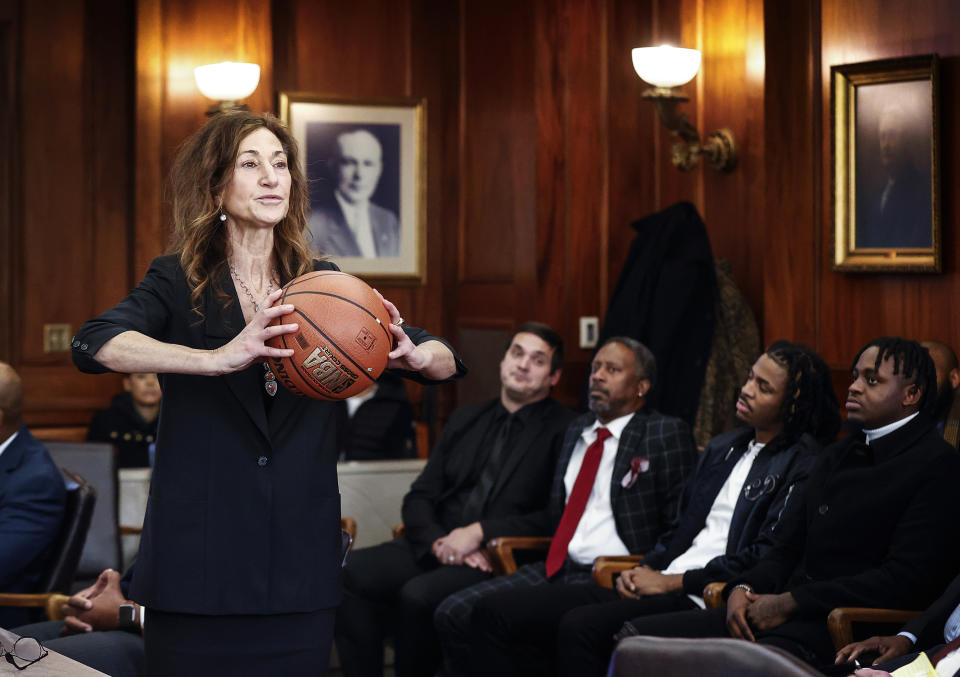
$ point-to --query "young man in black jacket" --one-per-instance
(492, 463)
(870, 529)
(728, 512)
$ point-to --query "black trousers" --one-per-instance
(807, 639)
(517, 632)
(585, 636)
(386, 591)
(188, 645)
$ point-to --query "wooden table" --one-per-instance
(51, 665)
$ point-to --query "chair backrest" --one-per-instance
(96, 462)
(63, 560)
(676, 657)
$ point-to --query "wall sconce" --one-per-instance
(227, 83)
(666, 68)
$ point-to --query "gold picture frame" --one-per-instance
(885, 153)
(371, 222)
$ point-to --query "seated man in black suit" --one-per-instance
(730, 510)
(937, 628)
(95, 630)
(869, 530)
(32, 500)
(491, 464)
(615, 490)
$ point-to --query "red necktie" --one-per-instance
(945, 651)
(576, 503)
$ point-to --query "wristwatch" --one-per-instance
(128, 617)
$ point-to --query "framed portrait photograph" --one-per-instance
(365, 163)
(885, 143)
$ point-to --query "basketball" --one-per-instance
(342, 343)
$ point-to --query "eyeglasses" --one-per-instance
(26, 651)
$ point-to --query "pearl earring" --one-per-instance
(223, 217)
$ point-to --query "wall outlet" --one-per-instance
(589, 329)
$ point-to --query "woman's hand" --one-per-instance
(431, 358)
(249, 345)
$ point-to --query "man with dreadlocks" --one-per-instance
(876, 526)
(728, 512)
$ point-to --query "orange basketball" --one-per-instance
(342, 342)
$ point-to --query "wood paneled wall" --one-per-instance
(66, 251)
(540, 150)
(838, 312)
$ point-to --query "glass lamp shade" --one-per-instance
(227, 81)
(666, 66)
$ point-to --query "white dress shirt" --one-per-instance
(358, 220)
(596, 532)
(871, 435)
(712, 539)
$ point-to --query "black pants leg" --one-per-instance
(514, 631)
(372, 581)
(808, 640)
(416, 643)
(585, 636)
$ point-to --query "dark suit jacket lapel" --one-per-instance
(12, 456)
(631, 441)
(341, 236)
(220, 326)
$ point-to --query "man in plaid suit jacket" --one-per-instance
(632, 500)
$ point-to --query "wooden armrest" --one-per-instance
(49, 601)
(399, 530)
(501, 550)
(840, 621)
(713, 594)
(605, 568)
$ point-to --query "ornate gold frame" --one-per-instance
(844, 81)
(411, 266)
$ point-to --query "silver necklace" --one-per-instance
(246, 289)
(269, 379)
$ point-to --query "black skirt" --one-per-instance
(280, 644)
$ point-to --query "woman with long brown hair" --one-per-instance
(240, 553)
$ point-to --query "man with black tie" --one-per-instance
(616, 488)
(492, 463)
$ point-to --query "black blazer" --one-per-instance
(870, 530)
(928, 627)
(644, 510)
(777, 475)
(523, 485)
(244, 509)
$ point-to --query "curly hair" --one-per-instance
(915, 362)
(202, 170)
(809, 402)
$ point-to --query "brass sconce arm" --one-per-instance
(720, 147)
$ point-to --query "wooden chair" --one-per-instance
(62, 565)
(839, 621)
(502, 551)
(606, 568)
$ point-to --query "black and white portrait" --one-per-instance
(365, 165)
(893, 168)
(354, 174)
